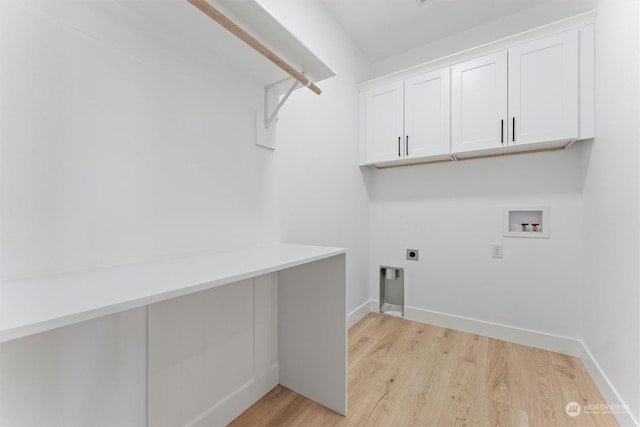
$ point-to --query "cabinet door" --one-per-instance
(479, 103)
(426, 114)
(543, 90)
(384, 123)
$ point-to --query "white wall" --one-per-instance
(452, 213)
(322, 196)
(117, 149)
(610, 292)
(527, 19)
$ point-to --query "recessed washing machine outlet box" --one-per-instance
(526, 222)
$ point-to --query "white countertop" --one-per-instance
(39, 304)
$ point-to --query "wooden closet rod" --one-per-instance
(221, 19)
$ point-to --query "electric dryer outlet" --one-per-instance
(412, 255)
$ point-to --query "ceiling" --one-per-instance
(383, 28)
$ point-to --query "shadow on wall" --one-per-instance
(526, 175)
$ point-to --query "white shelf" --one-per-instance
(34, 305)
(179, 29)
(195, 32)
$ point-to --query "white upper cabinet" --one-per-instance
(426, 114)
(543, 90)
(383, 123)
(537, 81)
(525, 93)
(408, 119)
(479, 103)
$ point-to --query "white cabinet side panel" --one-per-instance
(312, 331)
(587, 82)
(90, 373)
(362, 114)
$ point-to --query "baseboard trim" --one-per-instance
(551, 342)
(358, 314)
(609, 393)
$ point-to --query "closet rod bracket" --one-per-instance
(270, 117)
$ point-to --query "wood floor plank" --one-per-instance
(359, 348)
(545, 403)
(395, 381)
(475, 349)
(576, 386)
(362, 326)
(421, 338)
(404, 373)
(362, 337)
(391, 340)
(523, 418)
(464, 401)
(377, 409)
(275, 402)
(361, 379)
(502, 397)
(425, 401)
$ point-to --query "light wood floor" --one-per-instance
(404, 373)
